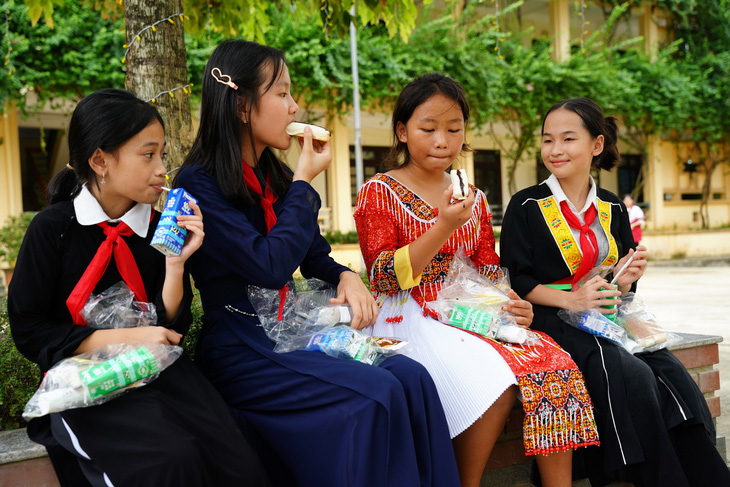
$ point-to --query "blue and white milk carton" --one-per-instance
(169, 237)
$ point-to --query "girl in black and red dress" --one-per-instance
(653, 421)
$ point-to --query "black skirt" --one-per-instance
(175, 430)
(643, 404)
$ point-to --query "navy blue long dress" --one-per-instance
(313, 419)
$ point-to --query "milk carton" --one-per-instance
(169, 237)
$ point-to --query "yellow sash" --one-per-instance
(560, 230)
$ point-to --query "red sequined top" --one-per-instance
(390, 216)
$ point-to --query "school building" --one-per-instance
(34, 147)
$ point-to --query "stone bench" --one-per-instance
(25, 464)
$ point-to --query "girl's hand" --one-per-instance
(316, 156)
(454, 214)
(194, 225)
(520, 308)
(153, 334)
(634, 271)
(589, 296)
(351, 290)
(130, 336)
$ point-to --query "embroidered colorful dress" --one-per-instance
(651, 416)
(470, 372)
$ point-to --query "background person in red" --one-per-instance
(636, 217)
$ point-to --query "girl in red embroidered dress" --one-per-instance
(409, 229)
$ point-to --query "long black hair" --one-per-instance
(415, 94)
(597, 124)
(217, 146)
(105, 120)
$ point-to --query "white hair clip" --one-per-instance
(221, 78)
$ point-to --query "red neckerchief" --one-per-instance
(113, 245)
(267, 197)
(267, 204)
(588, 243)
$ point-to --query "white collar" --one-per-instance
(554, 185)
(89, 212)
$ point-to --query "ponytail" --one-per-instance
(610, 156)
(63, 187)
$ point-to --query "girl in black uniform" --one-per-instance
(653, 421)
(176, 430)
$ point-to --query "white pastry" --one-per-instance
(460, 183)
(296, 129)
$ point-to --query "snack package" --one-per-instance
(473, 302)
(635, 327)
(116, 308)
(595, 323)
(97, 376)
(300, 317)
(641, 325)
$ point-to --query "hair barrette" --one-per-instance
(221, 78)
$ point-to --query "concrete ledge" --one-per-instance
(24, 463)
(15, 446)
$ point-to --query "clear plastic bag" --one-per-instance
(641, 325)
(97, 376)
(116, 308)
(595, 323)
(603, 271)
(305, 320)
(635, 328)
(106, 372)
(473, 302)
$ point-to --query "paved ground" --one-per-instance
(689, 297)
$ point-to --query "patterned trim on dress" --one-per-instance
(416, 216)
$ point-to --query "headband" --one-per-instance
(221, 78)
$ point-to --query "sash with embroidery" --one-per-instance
(563, 237)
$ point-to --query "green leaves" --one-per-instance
(78, 55)
(11, 236)
(19, 377)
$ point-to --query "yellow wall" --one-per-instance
(11, 198)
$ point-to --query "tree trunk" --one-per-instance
(157, 62)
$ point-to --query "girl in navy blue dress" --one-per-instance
(176, 430)
(315, 420)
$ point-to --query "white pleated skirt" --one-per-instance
(469, 374)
